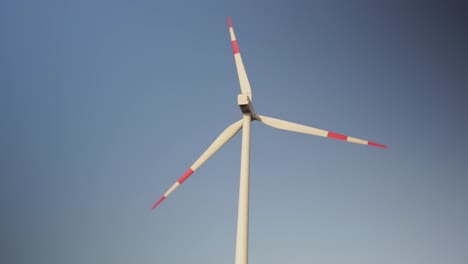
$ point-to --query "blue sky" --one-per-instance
(104, 105)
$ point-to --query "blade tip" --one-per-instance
(158, 202)
(229, 21)
(373, 144)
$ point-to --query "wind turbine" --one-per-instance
(244, 100)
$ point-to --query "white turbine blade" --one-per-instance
(222, 139)
(241, 73)
(285, 125)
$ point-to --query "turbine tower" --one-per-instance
(244, 100)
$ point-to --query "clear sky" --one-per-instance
(104, 104)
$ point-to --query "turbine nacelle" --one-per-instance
(245, 104)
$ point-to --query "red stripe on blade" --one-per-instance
(185, 176)
(235, 47)
(376, 145)
(229, 22)
(337, 136)
(158, 202)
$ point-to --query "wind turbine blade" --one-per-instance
(285, 125)
(222, 139)
(241, 73)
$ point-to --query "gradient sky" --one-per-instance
(104, 104)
